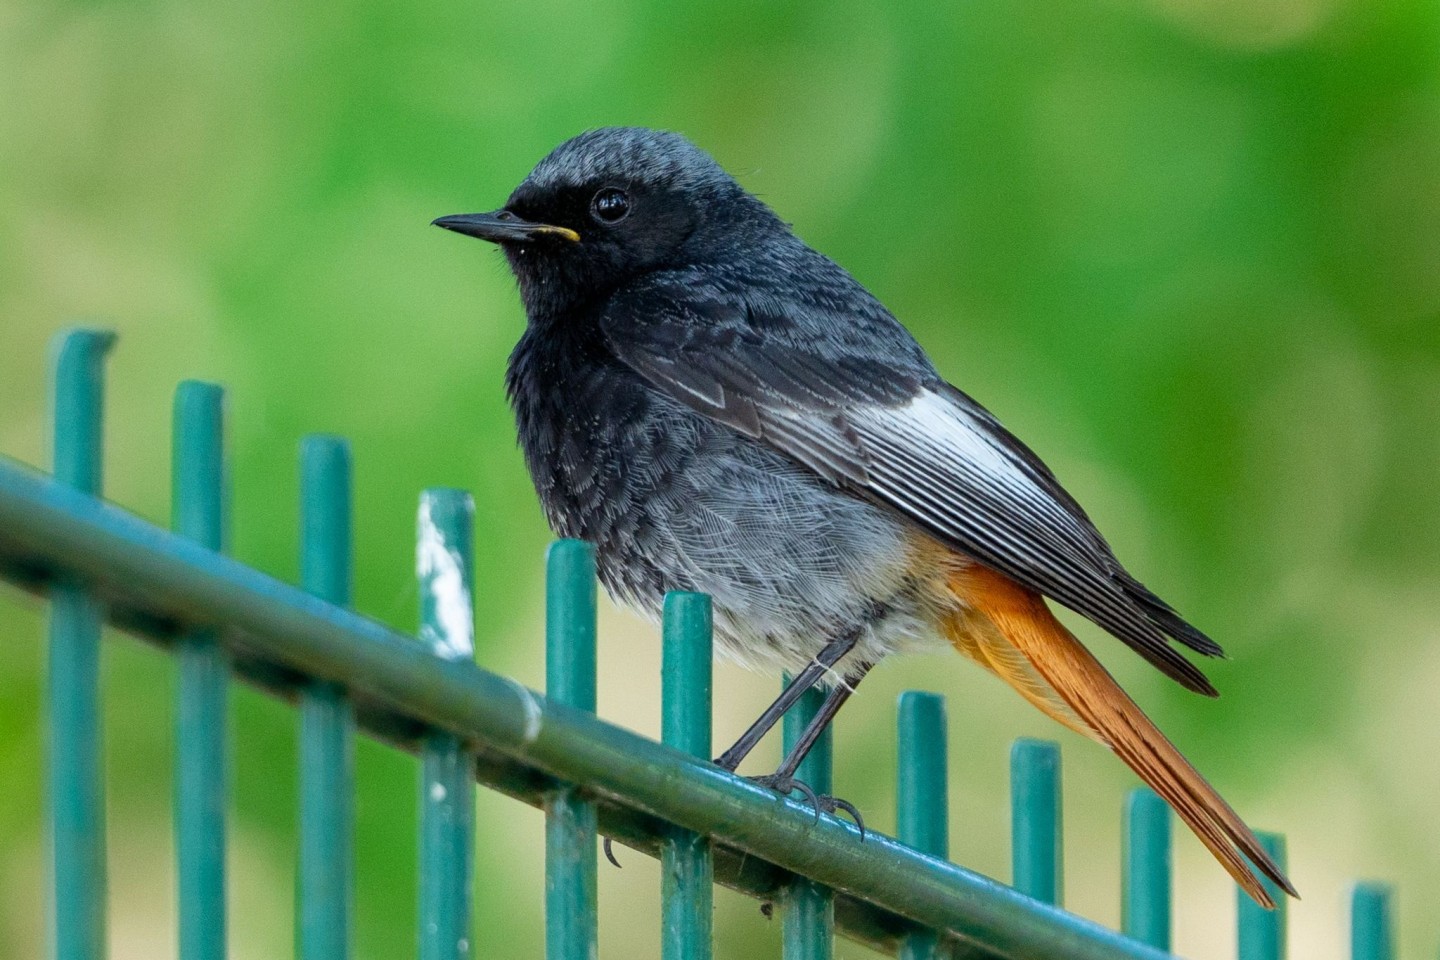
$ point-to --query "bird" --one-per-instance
(717, 407)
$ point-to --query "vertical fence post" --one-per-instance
(1371, 928)
(198, 512)
(1262, 932)
(1035, 826)
(445, 565)
(809, 908)
(571, 924)
(326, 716)
(687, 869)
(77, 792)
(1145, 869)
(922, 796)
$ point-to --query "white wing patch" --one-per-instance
(936, 461)
(938, 438)
(934, 423)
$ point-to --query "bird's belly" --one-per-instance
(790, 562)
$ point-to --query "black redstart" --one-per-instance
(719, 408)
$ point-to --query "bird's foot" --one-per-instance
(823, 803)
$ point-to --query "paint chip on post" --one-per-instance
(441, 569)
(444, 564)
(534, 716)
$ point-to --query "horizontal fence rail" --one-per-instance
(345, 673)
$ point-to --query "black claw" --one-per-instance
(787, 785)
(772, 782)
(823, 803)
(810, 795)
(610, 854)
(835, 803)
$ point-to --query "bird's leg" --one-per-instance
(829, 655)
(834, 700)
(783, 780)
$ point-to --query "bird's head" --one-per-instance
(611, 205)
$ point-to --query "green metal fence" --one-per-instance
(96, 563)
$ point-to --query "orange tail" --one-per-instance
(1087, 693)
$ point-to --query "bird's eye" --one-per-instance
(610, 205)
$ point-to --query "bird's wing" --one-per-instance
(887, 428)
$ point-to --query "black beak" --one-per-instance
(502, 226)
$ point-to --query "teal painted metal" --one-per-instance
(58, 537)
(76, 762)
(571, 919)
(922, 794)
(1262, 932)
(201, 759)
(809, 907)
(327, 779)
(445, 565)
(78, 407)
(1145, 869)
(687, 867)
(1035, 826)
(198, 481)
(275, 632)
(1372, 930)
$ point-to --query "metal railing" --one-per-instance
(96, 563)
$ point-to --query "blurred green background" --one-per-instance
(1189, 249)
